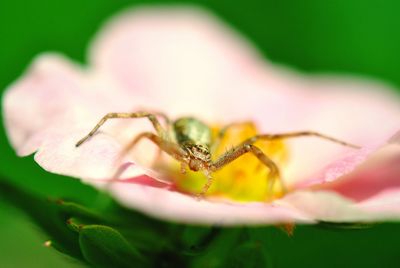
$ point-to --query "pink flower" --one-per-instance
(183, 61)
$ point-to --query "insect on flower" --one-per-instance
(190, 141)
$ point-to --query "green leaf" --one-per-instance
(346, 225)
(46, 215)
(217, 250)
(74, 209)
(62, 222)
(104, 246)
(249, 255)
(146, 239)
(198, 239)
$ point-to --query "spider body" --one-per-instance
(192, 130)
(195, 138)
(191, 143)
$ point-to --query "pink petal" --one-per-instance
(174, 206)
(386, 203)
(361, 112)
(332, 207)
(186, 62)
(177, 57)
(50, 109)
(300, 207)
(380, 172)
(40, 99)
(182, 61)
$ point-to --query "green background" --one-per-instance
(360, 37)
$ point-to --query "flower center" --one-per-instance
(246, 178)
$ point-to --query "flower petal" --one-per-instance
(186, 62)
(386, 203)
(332, 207)
(349, 110)
(174, 206)
(40, 99)
(181, 60)
(51, 108)
(379, 172)
(300, 207)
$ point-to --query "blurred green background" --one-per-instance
(360, 37)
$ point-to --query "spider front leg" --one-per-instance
(150, 116)
(205, 186)
(228, 157)
(164, 145)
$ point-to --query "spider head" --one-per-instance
(199, 156)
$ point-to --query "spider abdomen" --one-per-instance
(192, 130)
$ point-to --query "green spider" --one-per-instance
(189, 141)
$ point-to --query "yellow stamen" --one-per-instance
(246, 178)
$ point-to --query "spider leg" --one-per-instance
(152, 117)
(221, 134)
(157, 113)
(168, 125)
(296, 135)
(166, 146)
(228, 157)
(167, 121)
(206, 186)
(170, 148)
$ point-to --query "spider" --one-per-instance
(189, 141)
